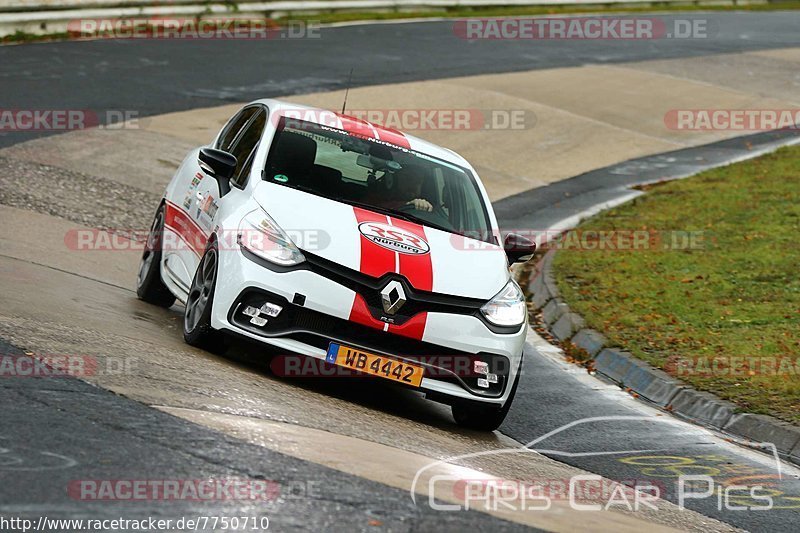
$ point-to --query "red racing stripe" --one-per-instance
(356, 126)
(360, 314)
(375, 260)
(417, 269)
(393, 136)
(366, 129)
(414, 328)
(187, 229)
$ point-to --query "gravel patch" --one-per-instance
(87, 200)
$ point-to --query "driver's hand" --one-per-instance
(421, 205)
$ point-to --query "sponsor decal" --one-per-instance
(210, 206)
(394, 238)
(178, 221)
(206, 211)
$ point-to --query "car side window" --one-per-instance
(240, 179)
(233, 128)
(244, 150)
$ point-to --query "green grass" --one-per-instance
(466, 12)
(736, 295)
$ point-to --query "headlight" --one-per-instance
(259, 234)
(507, 308)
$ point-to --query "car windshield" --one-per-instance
(378, 176)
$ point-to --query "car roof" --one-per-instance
(359, 126)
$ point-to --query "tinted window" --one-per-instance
(245, 146)
(377, 175)
(233, 128)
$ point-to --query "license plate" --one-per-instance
(374, 365)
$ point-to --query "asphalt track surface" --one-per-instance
(71, 417)
(154, 77)
(159, 77)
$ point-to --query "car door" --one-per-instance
(194, 201)
(207, 194)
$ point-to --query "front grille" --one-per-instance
(318, 329)
(370, 288)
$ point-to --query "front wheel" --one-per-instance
(482, 416)
(149, 285)
(197, 329)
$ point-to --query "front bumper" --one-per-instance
(316, 311)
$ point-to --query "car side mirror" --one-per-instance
(219, 165)
(518, 248)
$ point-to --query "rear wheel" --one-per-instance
(483, 416)
(197, 329)
(149, 285)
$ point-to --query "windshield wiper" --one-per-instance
(370, 207)
(393, 212)
(377, 208)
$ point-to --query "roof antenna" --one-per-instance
(347, 89)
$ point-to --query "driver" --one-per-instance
(408, 191)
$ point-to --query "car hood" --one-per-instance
(377, 244)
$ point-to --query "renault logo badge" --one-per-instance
(393, 297)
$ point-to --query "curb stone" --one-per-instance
(591, 341)
(614, 364)
(651, 383)
(566, 326)
(553, 310)
(703, 407)
(784, 436)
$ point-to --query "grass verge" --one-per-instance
(714, 296)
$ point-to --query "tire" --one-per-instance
(481, 416)
(149, 285)
(197, 329)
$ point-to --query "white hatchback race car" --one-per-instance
(336, 239)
